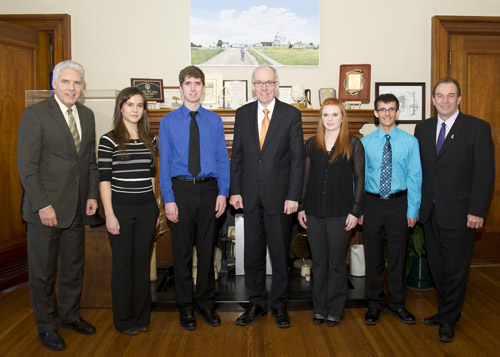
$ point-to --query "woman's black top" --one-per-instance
(333, 189)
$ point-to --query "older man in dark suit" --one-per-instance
(458, 176)
(57, 167)
(267, 169)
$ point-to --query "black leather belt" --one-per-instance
(194, 180)
(394, 195)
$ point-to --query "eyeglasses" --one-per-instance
(385, 110)
(267, 84)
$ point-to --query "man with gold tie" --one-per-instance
(267, 169)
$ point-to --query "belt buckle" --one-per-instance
(385, 198)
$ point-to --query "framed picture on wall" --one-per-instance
(411, 96)
(152, 88)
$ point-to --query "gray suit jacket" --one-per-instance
(51, 171)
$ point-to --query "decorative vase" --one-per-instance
(419, 277)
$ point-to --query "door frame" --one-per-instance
(445, 26)
(58, 24)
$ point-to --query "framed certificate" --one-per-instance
(152, 88)
(285, 94)
(235, 93)
(209, 98)
(354, 83)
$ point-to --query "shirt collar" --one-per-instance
(63, 107)
(270, 107)
(185, 111)
(450, 121)
(393, 133)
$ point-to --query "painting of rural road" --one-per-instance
(244, 32)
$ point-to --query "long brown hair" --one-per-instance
(121, 132)
(343, 142)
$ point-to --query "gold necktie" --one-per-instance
(73, 129)
(264, 127)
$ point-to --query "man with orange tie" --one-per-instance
(267, 169)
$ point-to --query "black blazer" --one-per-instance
(276, 172)
(51, 171)
(460, 179)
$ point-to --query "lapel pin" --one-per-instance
(452, 136)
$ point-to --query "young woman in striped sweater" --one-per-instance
(126, 161)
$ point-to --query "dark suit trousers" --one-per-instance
(196, 227)
(47, 245)
(328, 241)
(385, 224)
(266, 231)
(131, 250)
(450, 255)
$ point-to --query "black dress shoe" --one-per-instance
(318, 319)
(250, 315)
(281, 317)
(80, 326)
(332, 321)
(210, 316)
(403, 315)
(432, 320)
(131, 331)
(52, 340)
(372, 316)
(187, 320)
(446, 333)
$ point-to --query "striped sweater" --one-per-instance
(129, 171)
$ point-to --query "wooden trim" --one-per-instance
(445, 26)
(58, 24)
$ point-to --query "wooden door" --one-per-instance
(19, 70)
(468, 49)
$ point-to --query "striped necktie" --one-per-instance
(73, 129)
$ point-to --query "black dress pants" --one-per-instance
(328, 241)
(196, 227)
(385, 224)
(450, 254)
(273, 232)
(131, 251)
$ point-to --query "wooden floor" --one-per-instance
(477, 335)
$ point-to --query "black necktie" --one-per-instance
(194, 165)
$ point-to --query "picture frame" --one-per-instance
(169, 93)
(152, 88)
(411, 97)
(355, 82)
(235, 93)
(209, 98)
(324, 93)
(285, 94)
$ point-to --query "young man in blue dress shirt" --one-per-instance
(393, 178)
(194, 181)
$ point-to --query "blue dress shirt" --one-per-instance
(406, 167)
(174, 149)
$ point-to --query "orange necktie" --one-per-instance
(264, 127)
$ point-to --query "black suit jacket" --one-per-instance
(51, 171)
(276, 172)
(460, 178)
